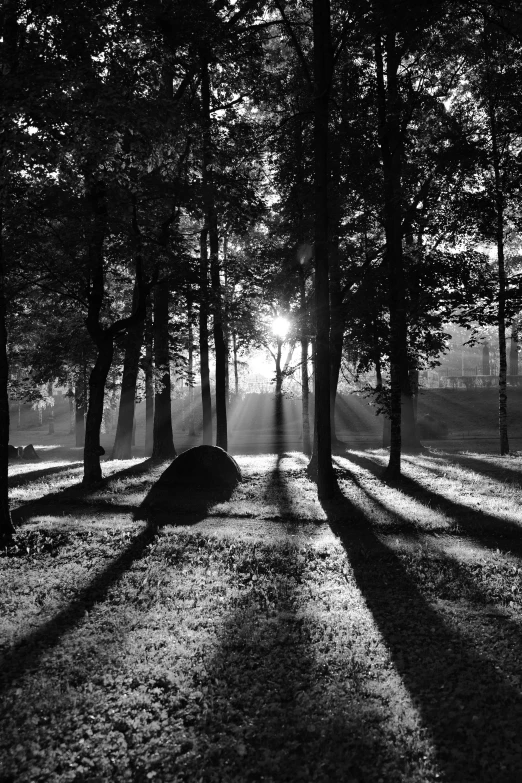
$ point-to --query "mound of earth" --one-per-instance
(208, 466)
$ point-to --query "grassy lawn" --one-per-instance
(262, 636)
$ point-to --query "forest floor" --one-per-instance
(263, 636)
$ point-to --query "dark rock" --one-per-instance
(12, 452)
(30, 453)
(208, 466)
(101, 451)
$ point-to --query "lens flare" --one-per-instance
(280, 327)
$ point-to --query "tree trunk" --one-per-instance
(217, 304)
(123, 441)
(305, 392)
(92, 473)
(337, 311)
(50, 413)
(513, 352)
(403, 429)
(501, 269)
(6, 523)
(322, 58)
(149, 386)
(236, 369)
(190, 367)
(206, 400)
(163, 445)
(486, 369)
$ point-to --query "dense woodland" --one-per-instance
(174, 175)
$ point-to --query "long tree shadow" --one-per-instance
(27, 652)
(470, 710)
(485, 529)
(78, 495)
(477, 465)
(273, 702)
(25, 478)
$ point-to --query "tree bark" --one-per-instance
(206, 400)
(50, 413)
(513, 352)
(190, 367)
(149, 385)
(123, 441)
(501, 270)
(323, 64)
(305, 391)
(217, 303)
(403, 430)
(102, 336)
(163, 445)
(6, 523)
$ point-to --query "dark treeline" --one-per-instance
(173, 175)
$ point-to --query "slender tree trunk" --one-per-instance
(513, 352)
(123, 441)
(191, 423)
(305, 391)
(217, 303)
(337, 310)
(6, 524)
(236, 369)
(103, 338)
(486, 367)
(322, 58)
(206, 400)
(149, 385)
(163, 445)
(403, 429)
(92, 473)
(50, 413)
(501, 268)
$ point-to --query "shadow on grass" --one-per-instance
(275, 714)
(485, 529)
(78, 495)
(25, 478)
(483, 467)
(470, 710)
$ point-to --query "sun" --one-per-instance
(280, 327)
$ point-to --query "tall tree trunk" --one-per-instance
(102, 336)
(236, 368)
(163, 445)
(501, 269)
(305, 391)
(6, 524)
(92, 473)
(50, 412)
(403, 429)
(337, 310)
(486, 367)
(323, 64)
(149, 384)
(513, 352)
(217, 303)
(133, 341)
(190, 367)
(206, 400)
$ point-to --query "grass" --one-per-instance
(263, 636)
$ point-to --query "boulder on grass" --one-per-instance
(30, 453)
(12, 452)
(207, 466)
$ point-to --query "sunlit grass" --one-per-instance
(251, 643)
